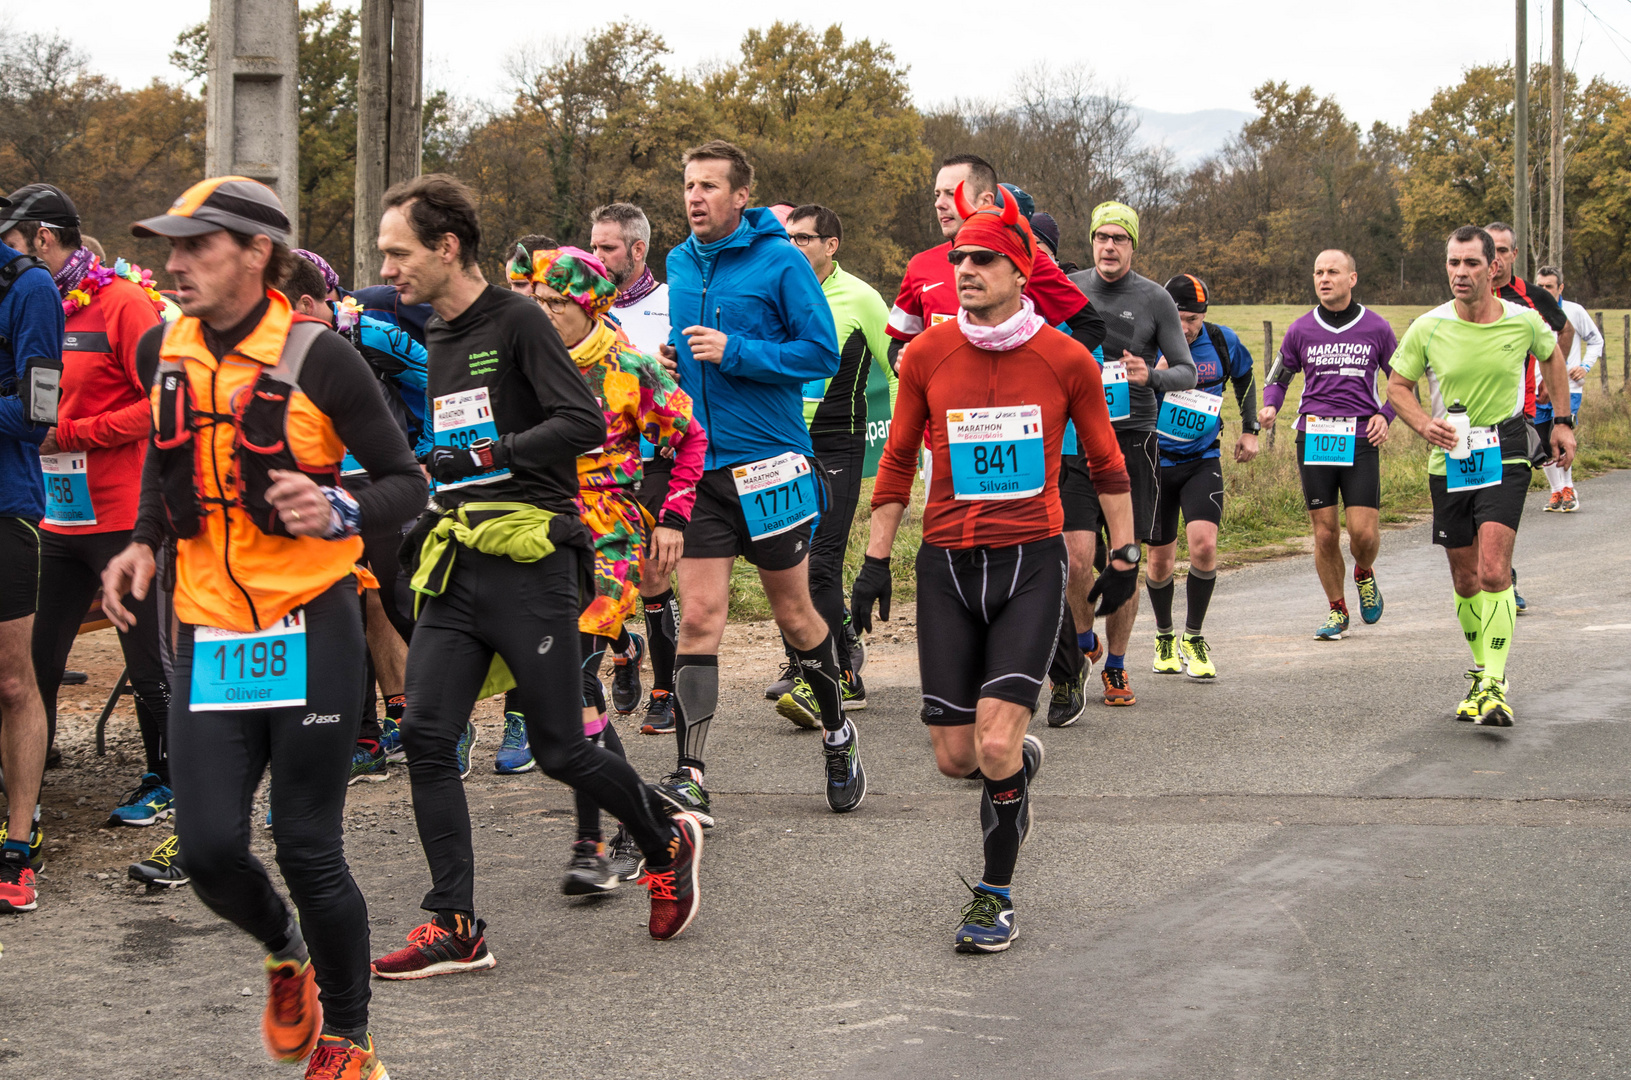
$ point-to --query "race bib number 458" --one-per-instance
(67, 489)
(996, 453)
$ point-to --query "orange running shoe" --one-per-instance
(1555, 503)
(338, 1058)
(293, 1018)
(1116, 691)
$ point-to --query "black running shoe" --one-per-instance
(659, 714)
(587, 874)
(791, 673)
(685, 795)
(846, 779)
(624, 857)
(1067, 704)
(162, 869)
(626, 678)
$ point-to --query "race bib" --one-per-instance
(461, 419)
(1116, 394)
(263, 669)
(777, 494)
(1329, 440)
(67, 489)
(940, 317)
(1479, 469)
(350, 466)
(1187, 415)
(996, 453)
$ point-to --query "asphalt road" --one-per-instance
(1305, 869)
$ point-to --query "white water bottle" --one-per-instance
(1457, 416)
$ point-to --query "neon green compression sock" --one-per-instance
(1500, 615)
(1469, 610)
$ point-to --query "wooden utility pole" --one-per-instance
(1520, 149)
(390, 104)
(252, 106)
(1603, 363)
(1556, 245)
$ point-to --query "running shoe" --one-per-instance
(1197, 657)
(686, 795)
(1555, 503)
(1093, 656)
(659, 714)
(791, 673)
(1517, 598)
(16, 883)
(515, 752)
(588, 873)
(1370, 599)
(293, 1018)
(368, 763)
(1493, 711)
(1468, 709)
(800, 706)
(149, 802)
(626, 677)
(1571, 502)
(846, 779)
(434, 949)
(391, 741)
(988, 923)
(624, 858)
(1032, 752)
(856, 645)
(338, 1058)
(1334, 627)
(1166, 656)
(162, 869)
(674, 891)
(467, 742)
(1067, 703)
(36, 842)
(854, 692)
(1116, 690)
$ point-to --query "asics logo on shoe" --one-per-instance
(546, 644)
(1003, 798)
(320, 718)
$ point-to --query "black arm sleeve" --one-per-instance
(573, 421)
(1087, 327)
(1246, 397)
(895, 346)
(150, 521)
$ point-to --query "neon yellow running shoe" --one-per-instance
(1197, 657)
(1166, 656)
(1493, 711)
(1468, 709)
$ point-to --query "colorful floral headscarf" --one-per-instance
(570, 271)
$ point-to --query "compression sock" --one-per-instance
(1568, 477)
(1115, 660)
(1363, 572)
(662, 638)
(696, 696)
(1004, 826)
(1199, 593)
(1087, 641)
(395, 707)
(290, 945)
(1341, 605)
(1554, 477)
(1161, 601)
(1469, 612)
(819, 667)
(1500, 615)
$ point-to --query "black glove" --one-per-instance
(451, 463)
(1113, 589)
(873, 583)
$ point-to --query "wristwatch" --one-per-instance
(1566, 421)
(1129, 554)
(1251, 427)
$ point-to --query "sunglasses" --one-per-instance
(978, 258)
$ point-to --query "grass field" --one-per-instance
(1263, 503)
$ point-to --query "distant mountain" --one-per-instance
(1192, 136)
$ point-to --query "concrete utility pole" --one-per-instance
(253, 109)
(1520, 163)
(1556, 245)
(390, 106)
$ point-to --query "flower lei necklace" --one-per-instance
(98, 276)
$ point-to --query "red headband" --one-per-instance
(1001, 228)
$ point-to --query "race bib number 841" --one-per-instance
(996, 453)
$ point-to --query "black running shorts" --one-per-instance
(19, 569)
(1081, 500)
(987, 622)
(1193, 487)
(1359, 484)
(1457, 516)
(718, 529)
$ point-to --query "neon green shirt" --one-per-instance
(838, 404)
(1479, 364)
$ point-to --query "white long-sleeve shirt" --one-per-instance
(1588, 342)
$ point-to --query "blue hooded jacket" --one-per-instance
(763, 295)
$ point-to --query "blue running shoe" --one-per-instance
(1334, 627)
(368, 764)
(391, 741)
(467, 742)
(1370, 598)
(626, 677)
(1517, 598)
(149, 802)
(515, 752)
(988, 923)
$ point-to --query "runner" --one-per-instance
(836, 411)
(621, 238)
(1584, 352)
(641, 402)
(93, 466)
(1142, 325)
(31, 322)
(501, 560)
(994, 389)
(266, 598)
(1188, 428)
(1342, 424)
(1474, 351)
(750, 327)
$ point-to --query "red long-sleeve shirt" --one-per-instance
(104, 409)
(941, 372)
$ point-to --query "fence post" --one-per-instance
(1268, 365)
(1604, 334)
(1625, 342)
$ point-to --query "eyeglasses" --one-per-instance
(1122, 240)
(555, 304)
(978, 258)
(805, 239)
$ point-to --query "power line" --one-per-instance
(1598, 19)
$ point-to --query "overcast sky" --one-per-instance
(1381, 58)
